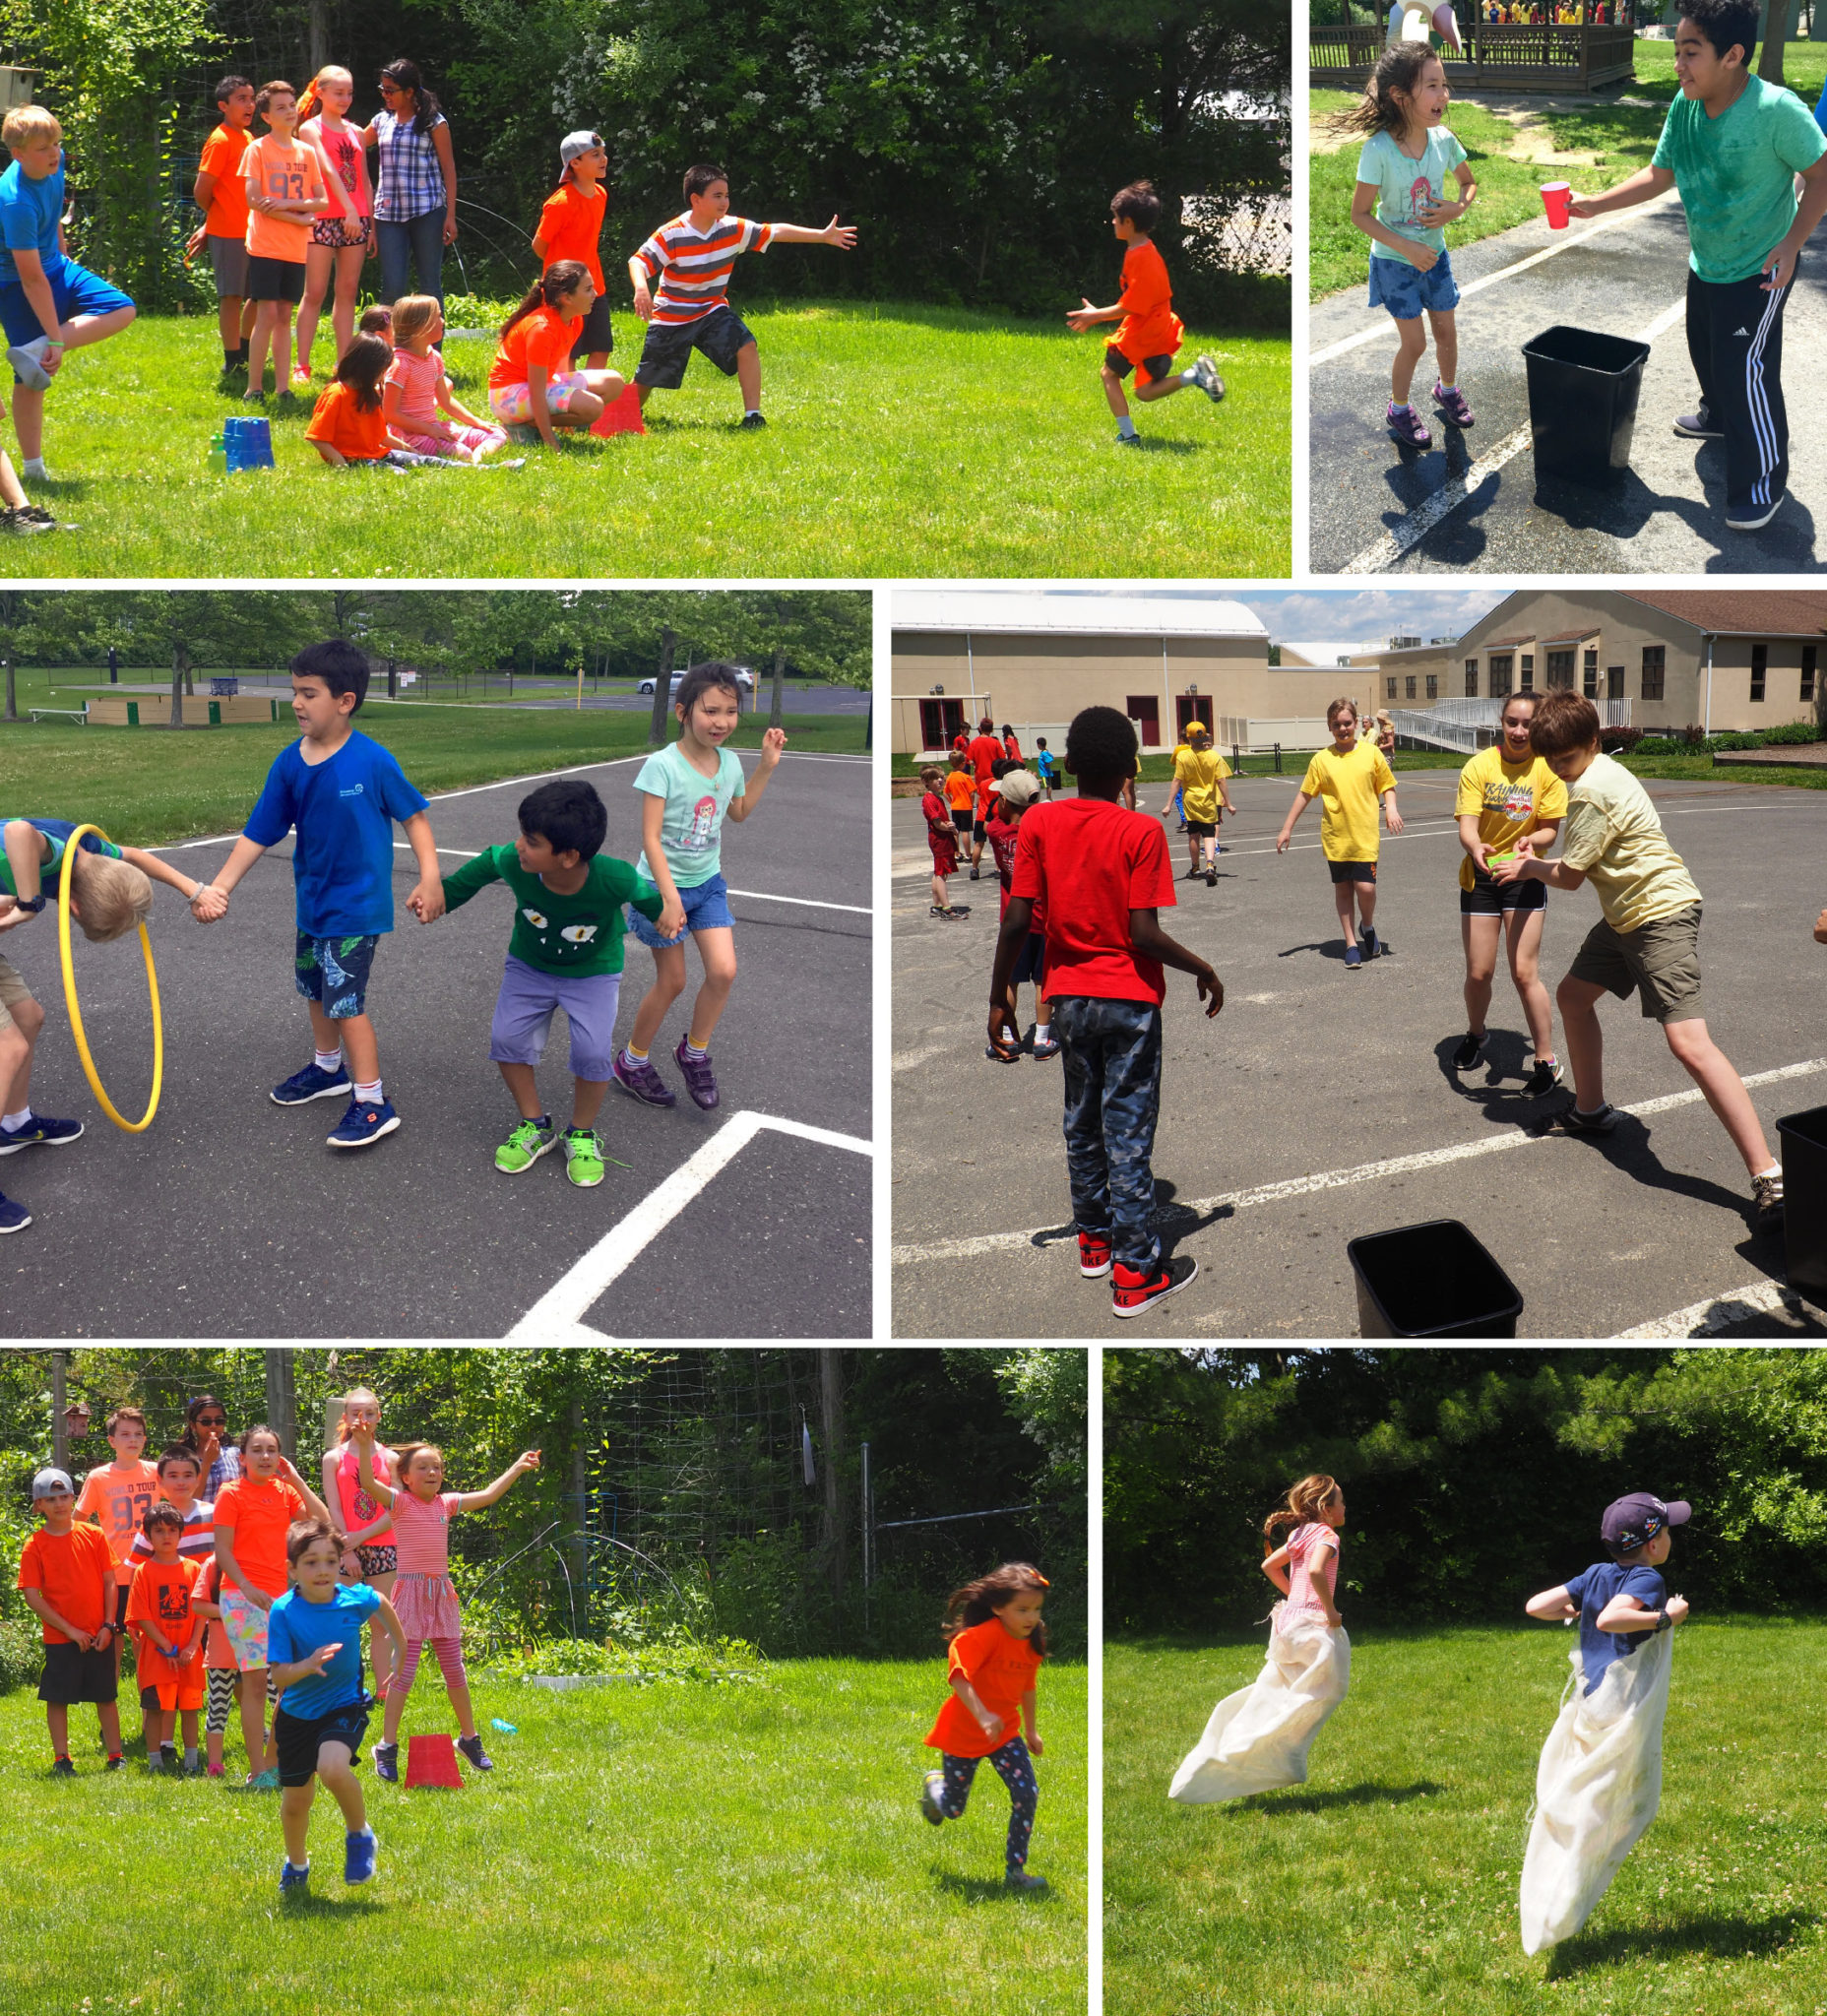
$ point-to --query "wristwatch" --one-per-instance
(32, 904)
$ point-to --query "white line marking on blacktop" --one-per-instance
(1722, 1313)
(1339, 1180)
(561, 1310)
(1490, 280)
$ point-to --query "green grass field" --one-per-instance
(146, 786)
(901, 441)
(670, 1848)
(1387, 1884)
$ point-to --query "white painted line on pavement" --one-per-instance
(1490, 280)
(1723, 1313)
(1426, 515)
(1667, 320)
(560, 1311)
(861, 909)
(1339, 1180)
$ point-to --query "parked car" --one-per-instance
(745, 678)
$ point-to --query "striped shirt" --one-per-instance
(411, 183)
(692, 266)
(197, 1541)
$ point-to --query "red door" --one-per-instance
(1146, 709)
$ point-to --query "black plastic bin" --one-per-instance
(1433, 1280)
(1583, 390)
(1804, 1202)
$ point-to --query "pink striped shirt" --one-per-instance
(423, 1532)
(1304, 1591)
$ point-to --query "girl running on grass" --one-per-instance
(417, 396)
(531, 381)
(424, 1600)
(1258, 1738)
(997, 1644)
(368, 1551)
(342, 236)
(1400, 205)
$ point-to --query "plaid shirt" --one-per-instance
(410, 180)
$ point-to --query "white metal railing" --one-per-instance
(1458, 724)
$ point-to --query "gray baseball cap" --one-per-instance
(48, 1480)
(574, 144)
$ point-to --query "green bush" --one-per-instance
(711, 1661)
(21, 1654)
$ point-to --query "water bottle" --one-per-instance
(507, 1728)
(218, 454)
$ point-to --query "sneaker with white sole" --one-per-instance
(367, 1121)
(1573, 1121)
(358, 1852)
(294, 1881)
(1471, 1049)
(1205, 376)
(1543, 1078)
(931, 1792)
(530, 1140)
(1767, 1199)
(1699, 426)
(1134, 1292)
(40, 1131)
(1753, 516)
(584, 1157)
(313, 1082)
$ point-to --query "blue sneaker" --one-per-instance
(38, 1131)
(292, 1879)
(1129, 440)
(364, 1123)
(1353, 959)
(358, 1855)
(14, 1218)
(311, 1083)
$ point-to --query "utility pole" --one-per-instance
(830, 1421)
(662, 690)
(282, 1398)
(60, 1434)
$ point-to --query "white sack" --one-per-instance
(1258, 1738)
(1597, 1788)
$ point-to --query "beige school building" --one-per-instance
(1034, 657)
(1722, 658)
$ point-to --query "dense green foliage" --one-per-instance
(1473, 1477)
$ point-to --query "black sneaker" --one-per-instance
(63, 1768)
(1132, 1290)
(1470, 1050)
(1541, 1080)
(1767, 1198)
(1573, 1121)
(472, 1748)
(115, 1763)
(750, 421)
(977, 875)
(1753, 516)
(951, 909)
(1211, 878)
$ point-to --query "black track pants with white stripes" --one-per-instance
(1734, 336)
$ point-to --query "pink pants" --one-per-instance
(450, 1662)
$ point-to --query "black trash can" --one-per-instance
(1804, 1202)
(1433, 1280)
(1583, 390)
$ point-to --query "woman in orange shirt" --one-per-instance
(530, 379)
(997, 1644)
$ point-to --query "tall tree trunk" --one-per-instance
(780, 664)
(662, 690)
(282, 1400)
(830, 1421)
(12, 697)
(180, 680)
(1775, 36)
(580, 1492)
(318, 47)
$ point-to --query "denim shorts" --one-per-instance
(526, 1003)
(334, 972)
(1404, 291)
(74, 291)
(706, 908)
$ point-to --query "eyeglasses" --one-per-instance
(212, 1420)
(388, 90)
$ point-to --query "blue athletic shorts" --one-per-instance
(74, 291)
(1404, 291)
(706, 908)
(334, 972)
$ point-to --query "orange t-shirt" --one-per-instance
(960, 789)
(339, 423)
(542, 337)
(1150, 327)
(76, 1572)
(161, 1596)
(119, 1495)
(1001, 1667)
(571, 227)
(217, 1651)
(284, 171)
(223, 156)
(257, 1515)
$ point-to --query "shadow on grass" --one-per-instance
(1346, 1795)
(294, 1906)
(1719, 1938)
(983, 1889)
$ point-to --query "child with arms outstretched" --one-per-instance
(997, 1644)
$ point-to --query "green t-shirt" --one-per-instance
(1736, 174)
(1408, 184)
(56, 833)
(579, 935)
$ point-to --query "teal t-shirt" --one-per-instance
(57, 833)
(1736, 174)
(1406, 186)
(579, 935)
(691, 829)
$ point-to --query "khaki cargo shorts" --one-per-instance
(1660, 963)
(12, 991)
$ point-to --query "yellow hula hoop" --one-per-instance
(145, 1121)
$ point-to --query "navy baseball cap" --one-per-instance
(1632, 1522)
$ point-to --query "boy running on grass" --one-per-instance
(566, 952)
(66, 1574)
(49, 304)
(1350, 780)
(1150, 332)
(1101, 874)
(691, 258)
(1734, 144)
(338, 793)
(1646, 942)
(220, 193)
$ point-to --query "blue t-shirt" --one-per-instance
(296, 1628)
(1044, 762)
(344, 811)
(691, 828)
(57, 832)
(1592, 1592)
(29, 215)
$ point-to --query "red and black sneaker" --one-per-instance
(1094, 1256)
(1133, 1291)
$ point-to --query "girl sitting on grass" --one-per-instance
(1258, 1738)
(530, 379)
(1399, 204)
(417, 392)
(423, 1598)
(349, 427)
(997, 1644)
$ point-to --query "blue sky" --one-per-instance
(1373, 614)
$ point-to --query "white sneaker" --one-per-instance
(1205, 376)
(28, 361)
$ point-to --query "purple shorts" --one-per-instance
(523, 1017)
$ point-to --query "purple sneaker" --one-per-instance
(640, 1081)
(699, 1082)
(1452, 405)
(1405, 424)
(472, 1748)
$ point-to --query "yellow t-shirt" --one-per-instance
(1199, 773)
(1347, 787)
(1509, 799)
(1613, 837)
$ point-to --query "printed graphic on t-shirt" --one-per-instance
(1423, 194)
(703, 825)
(173, 1601)
(1513, 801)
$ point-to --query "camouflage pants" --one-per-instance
(1111, 1052)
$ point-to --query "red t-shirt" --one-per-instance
(1092, 863)
(983, 752)
(1002, 1669)
(986, 791)
(935, 812)
(1012, 749)
(1003, 836)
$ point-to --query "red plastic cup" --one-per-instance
(1555, 197)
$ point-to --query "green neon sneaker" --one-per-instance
(584, 1157)
(525, 1146)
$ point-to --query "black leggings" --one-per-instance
(1013, 1766)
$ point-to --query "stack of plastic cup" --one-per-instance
(248, 443)
(1555, 197)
